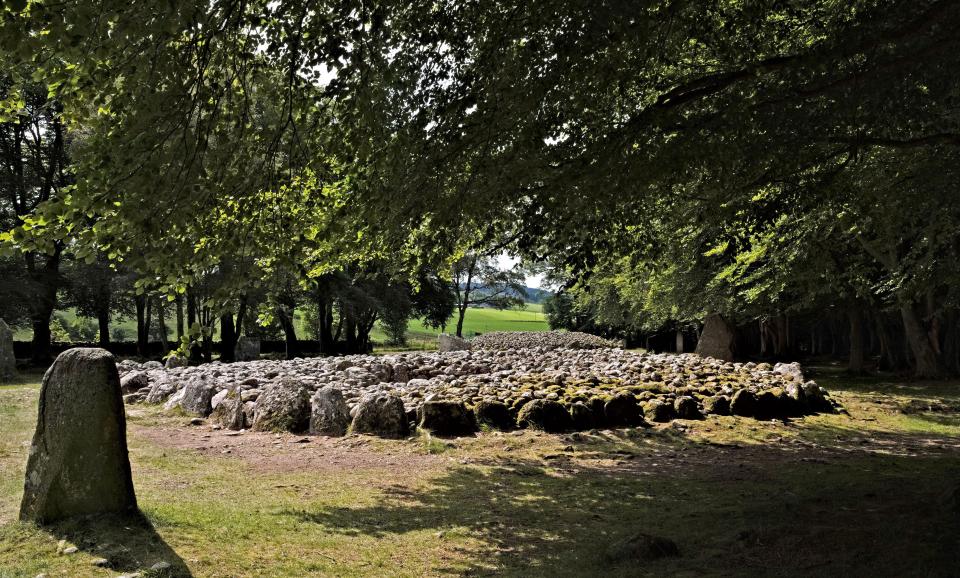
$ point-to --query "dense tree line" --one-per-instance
(791, 165)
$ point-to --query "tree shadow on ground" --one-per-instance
(129, 543)
(769, 510)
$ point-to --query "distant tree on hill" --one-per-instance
(478, 281)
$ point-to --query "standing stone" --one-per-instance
(329, 413)
(247, 349)
(78, 462)
(452, 343)
(8, 362)
(717, 338)
(447, 418)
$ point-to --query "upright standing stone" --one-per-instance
(8, 362)
(78, 461)
(452, 343)
(247, 349)
(717, 338)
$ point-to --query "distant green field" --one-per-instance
(478, 320)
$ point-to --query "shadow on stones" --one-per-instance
(130, 543)
(770, 509)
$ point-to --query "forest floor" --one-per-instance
(872, 493)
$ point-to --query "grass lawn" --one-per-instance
(873, 493)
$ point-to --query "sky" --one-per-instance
(505, 261)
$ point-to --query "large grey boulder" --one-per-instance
(717, 338)
(542, 414)
(8, 362)
(329, 414)
(78, 462)
(197, 397)
(452, 343)
(381, 414)
(247, 349)
(283, 407)
(161, 390)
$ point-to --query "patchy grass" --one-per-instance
(872, 493)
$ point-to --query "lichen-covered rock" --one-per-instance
(133, 382)
(504, 340)
(175, 361)
(494, 414)
(687, 408)
(8, 361)
(283, 407)
(197, 396)
(744, 403)
(228, 414)
(381, 414)
(329, 413)
(447, 418)
(791, 370)
(716, 405)
(546, 415)
(659, 411)
(622, 410)
(78, 462)
(160, 390)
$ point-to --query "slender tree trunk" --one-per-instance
(143, 328)
(855, 364)
(926, 363)
(45, 280)
(179, 317)
(289, 332)
(228, 338)
(103, 322)
(162, 325)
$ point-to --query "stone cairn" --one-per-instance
(530, 380)
(78, 462)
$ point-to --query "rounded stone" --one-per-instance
(546, 415)
(381, 414)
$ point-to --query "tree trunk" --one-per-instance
(143, 327)
(289, 332)
(926, 363)
(228, 338)
(162, 325)
(103, 322)
(855, 364)
(45, 282)
(179, 317)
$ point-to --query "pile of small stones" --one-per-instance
(452, 393)
(501, 340)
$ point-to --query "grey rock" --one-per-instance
(452, 343)
(247, 349)
(381, 414)
(78, 462)
(687, 408)
(133, 382)
(546, 415)
(197, 396)
(283, 407)
(175, 361)
(329, 413)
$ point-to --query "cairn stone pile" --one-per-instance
(504, 340)
(592, 388)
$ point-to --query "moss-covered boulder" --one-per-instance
(582, 416)
(716, 405)
(623, 410)
(546, 415)
(494, 414)
(659, 411)
(329, 414)
(447, 418)
(687, 408)
(744, 403)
